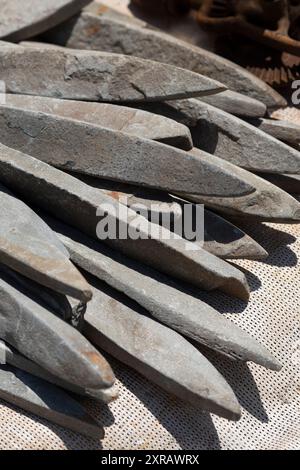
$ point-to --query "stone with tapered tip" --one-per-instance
(91, 149)
(131, 121)
(11, 356)
(162, 298)
(96, 76)
(37, 396)
(28, 246)
(230, 138)
(100, 28)
(267, 203)
(288, 183)
(286, 131)
(123, 329)
(21, 20)
(100, 216)
(237, 104)
(33, 329)
(221, 238)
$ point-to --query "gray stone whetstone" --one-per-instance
(27, 18)
(12, 357)
(78, 204)
(131, 121)
(96, 76)
(35, 331)
(29, 246)
(105, 153)
(288, 183)
(33, 394)
(98, 27)
(229, 137)
(286, 131)
(162, 298)
(123, 330)
(221, 238)
(235, 103)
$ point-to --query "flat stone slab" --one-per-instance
(157, 352)
(162, 298)
(78, 204)
(230, 138)
(30, 247)
(14, 358)
(98, 151)
(33, 394)
(100, 28)
(221, 238)
(33, 329)
(131, 121)
(21, 20)
(96, 76)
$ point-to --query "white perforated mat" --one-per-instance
(145, 417)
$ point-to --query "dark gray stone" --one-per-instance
(29, 246)
(100, 28)
(20, 20)
(162, 298)
(44, 338)
(77, 204)
(229, 137)
(96, 76)
(288, 183)
(47, 401)
(131, 121)
(123, 330)
(91, 149)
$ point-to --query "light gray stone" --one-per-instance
(235, 103)
(286, 131)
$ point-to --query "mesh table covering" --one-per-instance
(145, 417)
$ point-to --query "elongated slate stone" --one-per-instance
(289, 183)
(157, 352)
(230, 138)
(28, 246)
(221, 238)
(20, 20)
(86, 148)
(162, 298)
(98, 28)
(78, 204)
(47, 401)
(12, 357)
(128, 120)
(96, 76)
(267, 203)
(46, 339)
(235, 103)
(285, 131)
